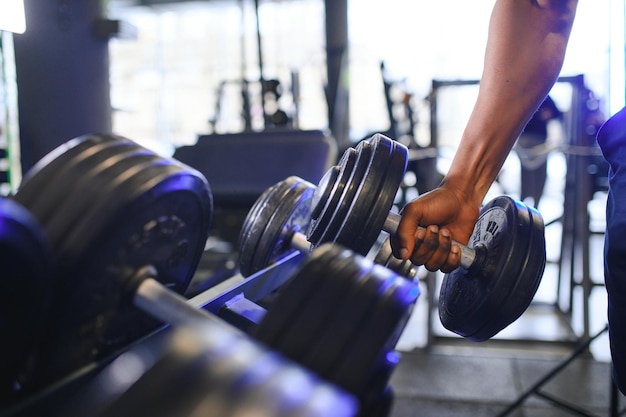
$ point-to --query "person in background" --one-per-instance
(526, 45)
(532, 152)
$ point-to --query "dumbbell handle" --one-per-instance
(300, 242)
(468, 255)
(158, 301)
(166, 305)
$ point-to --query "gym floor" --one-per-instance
(453, 377)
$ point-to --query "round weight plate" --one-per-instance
(330, 348)
(146, 211)
(37, 179)
(328, 195)
(374, 196)
(293, 295)
(378, 333)
(335, 219)
(26, 287)
(65, 180)
(75, 197)
(473, 303)
(281, 211)
(527, 280)
(319, 308)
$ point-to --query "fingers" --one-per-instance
(433, 248)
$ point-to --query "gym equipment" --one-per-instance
(26, 264)
(479, 300)
(276, 223)
(353, 199)
(341, 316)
(110, 207)
(352, 204)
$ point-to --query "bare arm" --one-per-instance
(525, 49)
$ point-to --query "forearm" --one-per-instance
(525, 50)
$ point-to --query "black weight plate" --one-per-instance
(374, 196)
(469, 299)
(190, 371)
(37, 179)
(256, 222)
(324, 189)
(328, 195)
(307, 324)
(330, 347)
(378, 333)
(26, 287)
(155, 212)
(293, 295)
(389, 185)
(64, 180)
(526, 282)
(262, 246)
(338, 217)
(75, 198)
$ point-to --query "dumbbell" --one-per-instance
(499, 273)
(341, 316)
(276, 225)
(108, 207)
(215, 373)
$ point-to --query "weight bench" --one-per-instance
(240, 166)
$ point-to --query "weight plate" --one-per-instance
(384, 256)
(386, 193)
(293, 295)
(374, 196)
(330, 348)
(324, 189)
(64, 181)
(80, 194)
(526, 281)
(333, 284)
(473, 303)
(37, 179)
(336, 218)
(26, 288)
(281, 211)
(378, 333)
(144, 211)
(329, 194)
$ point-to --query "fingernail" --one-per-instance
(404, 253)
(445, 233)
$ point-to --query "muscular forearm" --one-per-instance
(524, 55)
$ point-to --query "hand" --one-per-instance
(444, 216)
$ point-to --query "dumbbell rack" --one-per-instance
(82, 392)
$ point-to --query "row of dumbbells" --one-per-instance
(105, 235)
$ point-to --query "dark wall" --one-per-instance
(62, 75)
